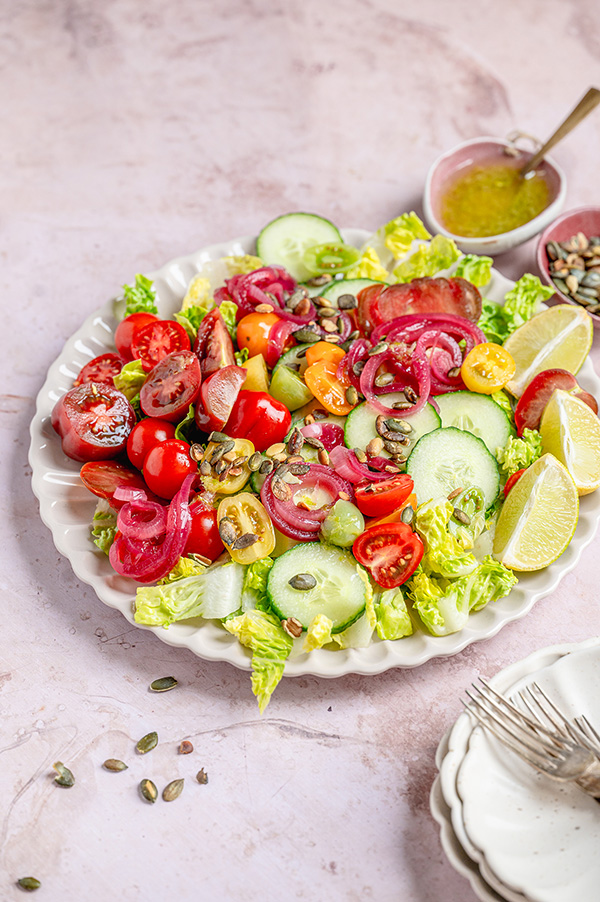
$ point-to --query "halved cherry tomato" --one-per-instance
(487, 368)
(323, 382)
(248, 516)
(227, 483)
(253, 332)
(166, 466)
(213, 346)
(93, 421)
(512, 480)
(154, 341)
(127, 329)
(218, 394)
(204, 538)
(104, 477)
(377, 499)
(172, 385)
(532, 402)
(396, 516)
(258, 417)
(324, 350)
(391, 553)
(101, 369)
(145, 435)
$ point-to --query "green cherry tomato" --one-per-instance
(330, 258)
(343, 524)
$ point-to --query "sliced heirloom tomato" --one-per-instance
(381, 303)
(102, 369)
(248, 525)
(145, 435)
(166, 466)
(213, 345)
(128, 328)
(172, 385)
(391, 552)
(258, 417)
(529, 410)
(378, 499)
(103, 477)
(218, 394)
(93, 421)
(204, 538)
(153, 342)
(487, 368)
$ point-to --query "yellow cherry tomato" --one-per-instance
(230, 484)
(487, 368)
(323, 382)
(246, 516)
(324, 350)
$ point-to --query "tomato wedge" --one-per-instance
(93, 421)
(391, 552)
(378, 499)
(172, 385)
(532, 402)
(512, 480)
(213, 346)
(104, 477)
(102, 369)
(156, 340)
(218, 394)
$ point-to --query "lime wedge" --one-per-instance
(571, 432)
(538, 518)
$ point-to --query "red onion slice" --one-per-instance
(291, 520)
(349, 467)
(142, 520)
(330, 434)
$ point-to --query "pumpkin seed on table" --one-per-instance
(64, 777)
(202, 776)
(147, 743)
(148, 791)
(114, 765)
(29, 884)
(163, 684)
(185, 747)
(173, 790)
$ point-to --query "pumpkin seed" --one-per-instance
(384, 379)
(299, 469)
(185, 747)
(196, 452)
(302, 581)
(461, 516)
(281, 490)
(147, 743)
(114, 765)
(378, 349)
(411, 395)
(360, 455)
(163, 684)
(148, 791)
(346, 302)
(245, 541)
(306, 336)
(408, 514)
(227, 531)
(323, 279)
(64, 777)
(351, 395)
(323, 457)
(205, 468)
(29, 883)
(172, 790)
(295, 442)
(266, 467)
(398, 426)
(218, 437)
(254, 461)
(313, 442)
(202, 776)
(292, 627)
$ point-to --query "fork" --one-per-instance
(541, 706)
(552, 753)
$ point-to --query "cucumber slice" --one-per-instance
(296, 356)
(256, 481)
(477, 414)
(360, 424)
(340, 593)
(346, 286)
(284, 240)
(449, 459)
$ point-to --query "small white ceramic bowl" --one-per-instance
(483, 150)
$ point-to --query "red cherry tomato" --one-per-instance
(512, 480)
(532, 402)
(145, 435)
(172, 385)
(104, 477)
(101, 369)
(93, 421)
(217, 397)
(153, 342)
(391, 552)
(166, 466)
(204, 538)
(258, 417)
(378, 499)
(126, 330)
(213, 346)
(382, 303)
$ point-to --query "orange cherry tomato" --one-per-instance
(323, 382)
(395, 516)
(253, 332)
(324, 350)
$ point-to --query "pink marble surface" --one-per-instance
(134, 132)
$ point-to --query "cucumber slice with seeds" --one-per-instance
(284, 240)
(360, 424)
(346, 286)
(477, 414)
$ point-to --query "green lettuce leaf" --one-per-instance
(318, 633)
(184, 568)
(229, 313)
(470, 502)
(504, 400)
(393, 619)
(263, 634)
(254, 590)
(493, 322)
(519, 452)
(399, 234)
(130, 379)
(104, 525)
(141, 297)
(491, 581)
(368, 267)
(242, 264)
(190, 319)
(213, 594)
(242, 356)
(520, 304)
(476, 270)
(440, 253)
(443, 556)
(185, 428)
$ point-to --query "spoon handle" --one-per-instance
(585, 106)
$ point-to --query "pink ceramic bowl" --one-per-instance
(484, 150)
(586, 220)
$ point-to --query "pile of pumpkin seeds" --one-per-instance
(575, 269)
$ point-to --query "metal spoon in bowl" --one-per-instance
(585, 106)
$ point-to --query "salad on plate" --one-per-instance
(329, 446)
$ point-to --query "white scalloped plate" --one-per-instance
(66, 507)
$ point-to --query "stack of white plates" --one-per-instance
(515, 834)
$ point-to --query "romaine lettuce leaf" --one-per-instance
(443, 554)
(318, 633)
(242, 264)
(520, 304)
(519, 452)
(184, 568)
(358, 635)
(476, 270)
(393, 619)
(263, 634)
(185, 428)
(229, 313)
(368, 267)
(254, 590)
(130, 379)
(470, 502)
(491, 581)
(213, 594)
(140, 297)
(438, 254)
(104, 525)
